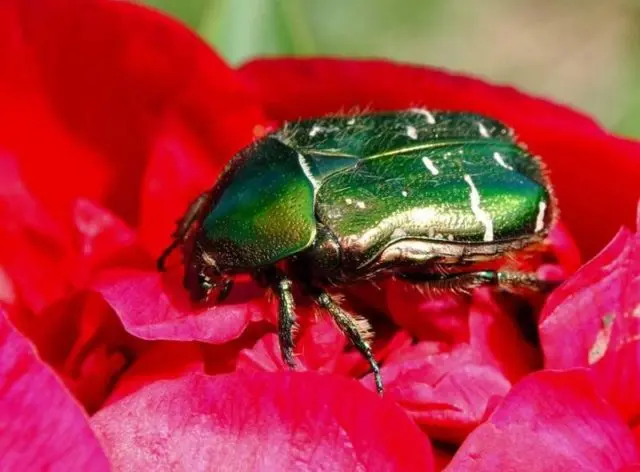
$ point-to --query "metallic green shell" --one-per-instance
(374, 179)
(451, 177)
(262, 208)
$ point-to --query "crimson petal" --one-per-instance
(42, 426)
(100, 81)
(262, 421)
(155, 306)
(447, 393)
(549, 421)
(593, 321)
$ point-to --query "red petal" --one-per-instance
(593, 321)
(571, 144)
(46, 256)
(308, 87)
(155, 306)
(565, 248)
(262, 421)
(34, 246)
(101, 240)
(99, 81)
(83, 340)
(177, 172)
(42, 426)
(549, 421)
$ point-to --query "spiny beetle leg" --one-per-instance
(465, 281)
(286, 315)
(527, 280)
(349, 326)
(182, 228)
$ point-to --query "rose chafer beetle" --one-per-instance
(427, 196)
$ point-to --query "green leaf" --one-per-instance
(240, 29)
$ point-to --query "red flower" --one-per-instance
(113, 117)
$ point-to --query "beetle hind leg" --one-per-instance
(183, 226)
(354, 331)
(467, 281)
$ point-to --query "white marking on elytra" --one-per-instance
(348, 201)
(405, 193)
(500, 160)
(351, 121)
(412, 132)
(360, 205)
(429, 116)
(307, 171)
(315, 129)
(483, 130)
(428, 163)
(542, 207)
(482, 216)
(450, 237)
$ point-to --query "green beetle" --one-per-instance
(420, 194)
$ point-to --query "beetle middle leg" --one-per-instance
(286, 319)
(349, 325)
(182, 228)
(281, 286)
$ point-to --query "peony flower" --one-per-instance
(113, 117)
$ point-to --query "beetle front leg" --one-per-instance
(348, 324)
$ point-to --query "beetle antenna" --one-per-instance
(194, 211)
(160, 263)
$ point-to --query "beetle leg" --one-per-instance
(526, 280)
(349, 326)
(286, 318)
(469, 280)
(182, 228)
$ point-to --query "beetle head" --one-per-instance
(203, 279)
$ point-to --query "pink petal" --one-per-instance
(447, 393)
(497, 340)
(441, 317)
(265, 356)
(42, 426)
(593, 321)
(260, 421)
(549, 421)
(155, 306)
(161, 360)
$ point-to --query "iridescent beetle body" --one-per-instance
(337, 199)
